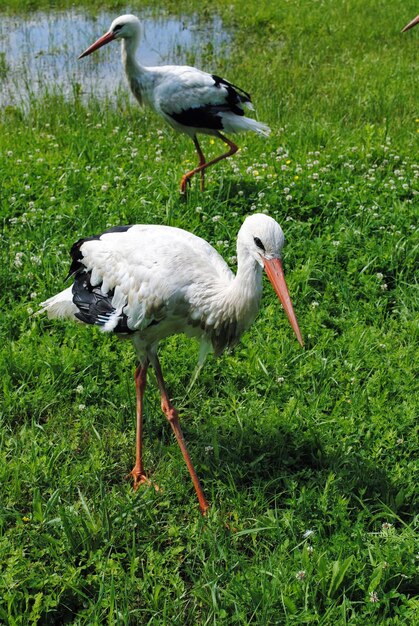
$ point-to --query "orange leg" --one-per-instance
(203, 165)
(173, 418)
(201, 161)
(140, 383)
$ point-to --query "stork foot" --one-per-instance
(140, 478)
(185, 180)
(204, 508)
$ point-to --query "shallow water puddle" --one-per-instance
(39, 52)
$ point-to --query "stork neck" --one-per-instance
(128, 49)
(246, 288)
(249, 274)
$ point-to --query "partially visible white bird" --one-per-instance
(149, 282)
(191, 101)
(411, 24)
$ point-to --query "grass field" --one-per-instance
(309, 457)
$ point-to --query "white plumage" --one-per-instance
(190, 100)
(149, 282)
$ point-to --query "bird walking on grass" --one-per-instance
(191, 101)
(148, 282)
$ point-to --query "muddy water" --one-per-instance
(38, 52)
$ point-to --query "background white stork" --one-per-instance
(149, 282)
(411, 24)
(191, 101)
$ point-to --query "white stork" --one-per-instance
(411, 24)
(149, 282)
(191, 101)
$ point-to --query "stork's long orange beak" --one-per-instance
(411, 24)
(106, 38)
(275, 273)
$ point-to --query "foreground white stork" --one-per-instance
(149, 282)
(189, 100)
(411, 24)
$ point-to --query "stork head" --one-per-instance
(261, 237)
(123, 27)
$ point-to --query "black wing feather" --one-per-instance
(94, 307)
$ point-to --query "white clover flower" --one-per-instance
(373, 597)
(18, 259)
(300, 575)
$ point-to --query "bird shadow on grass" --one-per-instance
(274, 463)
(235, 189)
(237, 192)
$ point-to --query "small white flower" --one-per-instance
(79, 389)
(314, 304)
(81, 407)
(280, 379)
(300, 575)
(104, 187)
(373, 596)
(288, 198)
(209, 449)
(307, 533)
(18, 259)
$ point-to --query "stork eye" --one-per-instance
(259, 243)
(117, 27)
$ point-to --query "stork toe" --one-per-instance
(140, 478)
